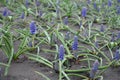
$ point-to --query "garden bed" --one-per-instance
(59, 40)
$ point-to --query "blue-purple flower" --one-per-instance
(22, 16)
(26, 3)
(102, 28)
(117, 55)
(61, 52)
(118, 36)
(118, 9)
(109, 3)
(95, 6)
(92, 74)
(65, 21)
(6, 12)
(95, 66)
(88, 1)
(84, 12)
(112, 37)
(37, 3)
(75, 43)
(32, 27)
(94, 69)
(118, 1)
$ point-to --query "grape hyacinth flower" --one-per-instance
(65, 21)
(112, 37)
(84, 12)
(117, 55)
(118, 10)
(22, 15)
(102, 28)
(95, 66)
(109, 3)
(5, 12)
(94, 69)
(88, 1)
(26, 3)
(96, 7)
(118, 1)
(37, 3)
(118, 36)
(75, 43)
(92, 74)
(32, 27)
(61, 52)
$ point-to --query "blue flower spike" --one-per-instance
(117, 55)
(32, 28)
(96, 7)
(88, 1)
(112, 37)
(26, 3)
(5, 12)
(84, 12)
(75, 43)
(61, 52)
(118, 1)
(94, 69)
(118, 36)
(109, 3)
(102, 28)
(92, 74)
(22, 16)
(118, 10)
(37, 3)
(95, 66)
